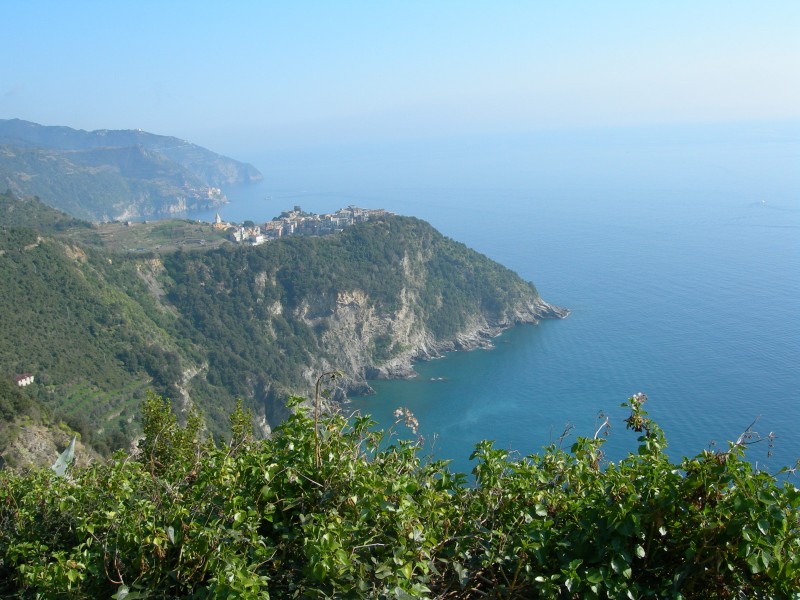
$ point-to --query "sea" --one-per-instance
(675, 247)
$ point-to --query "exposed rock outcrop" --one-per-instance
(366, 303)
(39, 445)
(353, 325)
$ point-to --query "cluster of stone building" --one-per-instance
(298, 222)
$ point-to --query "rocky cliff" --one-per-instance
(207, 326)
(37, 445)
(367, 303)
(354, 329)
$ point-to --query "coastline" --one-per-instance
(479, 334)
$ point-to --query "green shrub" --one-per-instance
(258, 518)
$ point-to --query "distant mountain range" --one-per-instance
(114, 174)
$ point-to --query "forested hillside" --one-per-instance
(205, 327)
(31, 213)
(368, 300)
(106, 175)
(86, 327)
(211, 167)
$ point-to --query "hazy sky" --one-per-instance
(225, 74)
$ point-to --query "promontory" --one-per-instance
(98, 326)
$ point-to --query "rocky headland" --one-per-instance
(207, 326)
(114, 174)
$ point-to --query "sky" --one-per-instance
(248, 74)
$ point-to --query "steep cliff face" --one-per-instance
(206, 327)
(367, 303)
(370, 344)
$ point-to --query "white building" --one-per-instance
(24, 379)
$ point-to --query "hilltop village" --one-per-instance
(296, 222)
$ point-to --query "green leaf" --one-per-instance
(763, 526)
(620, 566)
(627, 572)
(382, 571)
(754, 563)
(594, 576)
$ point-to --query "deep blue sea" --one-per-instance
(677, 249)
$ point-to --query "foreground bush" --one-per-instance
(338, 512)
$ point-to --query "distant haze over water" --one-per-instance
(677, 250)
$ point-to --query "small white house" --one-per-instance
(24, 379)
